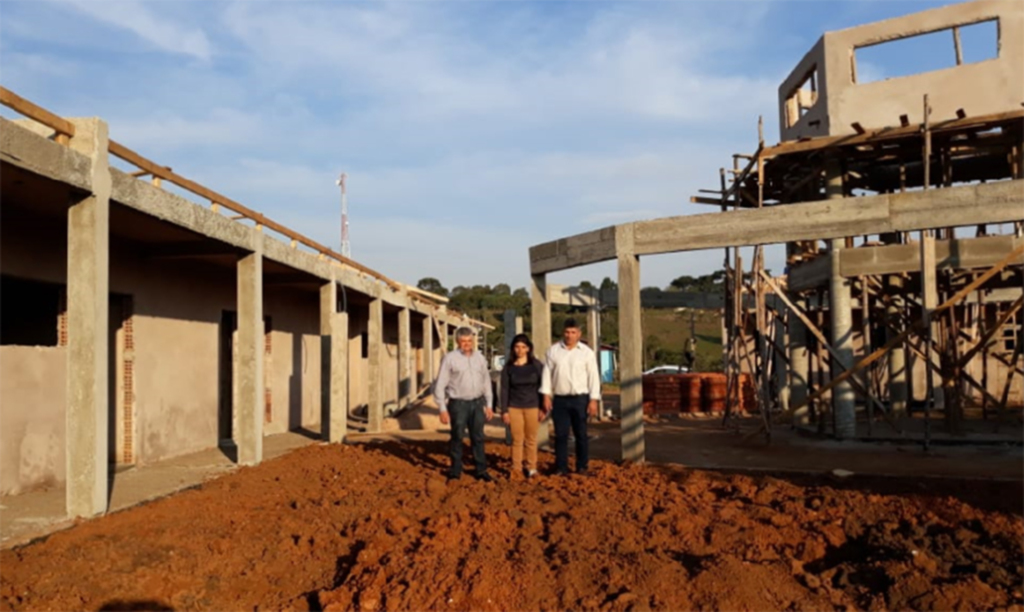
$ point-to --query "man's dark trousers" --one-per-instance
(467, 414)
(570, 411)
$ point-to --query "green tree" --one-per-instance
(432, 285)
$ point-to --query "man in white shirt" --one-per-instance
(571, 387)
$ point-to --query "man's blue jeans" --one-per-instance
(467, 414)
(570, 411)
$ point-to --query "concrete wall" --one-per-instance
(33, 394)
(176, 328)
(981, 88)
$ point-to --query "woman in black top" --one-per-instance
(520, 403)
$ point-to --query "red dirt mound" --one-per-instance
(377, 528)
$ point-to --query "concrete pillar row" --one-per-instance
(375, 382)
(249, 385)
(333, 366)
(799, 366)
(88, 305)
(630, 347)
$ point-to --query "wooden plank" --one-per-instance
(983, 341)
(37, 113)
(957, 297)
(162, 172)
(885, 133)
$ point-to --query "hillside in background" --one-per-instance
(665, 331)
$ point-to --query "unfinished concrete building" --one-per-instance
(139, 325)
(916, 186)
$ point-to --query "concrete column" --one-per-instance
(781, 373)
(630, 348)
(799, 366)
(405, 366)
(88, 304)
(594, 337)
(899, 389)
(841, 313)
(510, 329)
(428, 349)
(375, 382)
(540, 315)
(249, 386)
(930, 300)
(333, 366)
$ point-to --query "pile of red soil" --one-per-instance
(377, 528)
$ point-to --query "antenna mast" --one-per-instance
(346, 249)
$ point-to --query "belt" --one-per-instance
(465, 401)
(574, 396)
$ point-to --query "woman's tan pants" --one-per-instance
(524, 424)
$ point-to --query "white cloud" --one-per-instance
(159, 31)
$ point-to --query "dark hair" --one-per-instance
(524, 339)
(570, 323)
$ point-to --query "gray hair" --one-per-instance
(464, 332)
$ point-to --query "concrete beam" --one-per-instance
(982, 252)
(24, 148)
(88, 305)
(565, 295)
(249, 384)
(960, 253)
(630, 350)
(579, 250)
(965, 205)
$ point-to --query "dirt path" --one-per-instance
(376, 528)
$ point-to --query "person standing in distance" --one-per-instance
(520, 403)
(463, 395)
(571, 387)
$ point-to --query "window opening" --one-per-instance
(921, 53)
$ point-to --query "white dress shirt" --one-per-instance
(571, 371)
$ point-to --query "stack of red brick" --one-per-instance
(705, 392)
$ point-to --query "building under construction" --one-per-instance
(900, 203)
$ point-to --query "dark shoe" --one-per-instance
(450, 476)
(561, 472)
(583, 472)
(485, 477)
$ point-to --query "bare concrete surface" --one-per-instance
(37, 513)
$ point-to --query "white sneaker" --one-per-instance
(531, 473)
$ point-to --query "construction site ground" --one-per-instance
(715, 520)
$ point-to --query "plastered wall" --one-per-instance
(981, 88)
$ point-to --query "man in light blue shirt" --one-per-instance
(463, 395)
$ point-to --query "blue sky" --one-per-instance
(470, 130)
